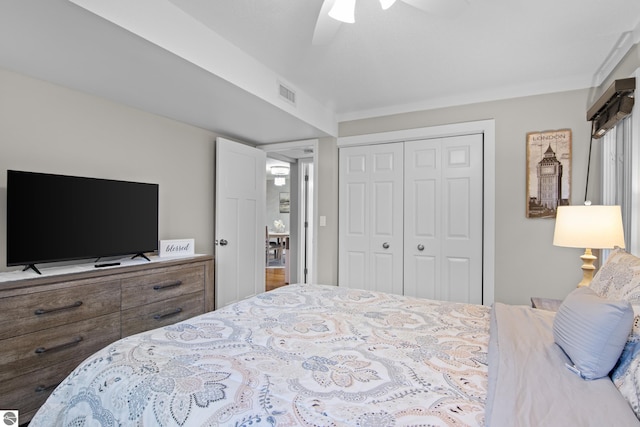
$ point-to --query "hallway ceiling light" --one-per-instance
(279, 170)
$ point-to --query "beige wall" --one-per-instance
(327, 186)
(527, 264)
(44, 127)
(47, 128)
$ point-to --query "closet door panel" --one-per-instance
(371, 231)
(462, 218)
(457, 283)
(424, 267)
(443, 218)
(458, 201)
(354, 217)
(383, 210)
(355, 269)
(423, 214)
(422, 218)
(356, 200)
(384, 270)
(387, 188)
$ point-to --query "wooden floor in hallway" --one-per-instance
(274, 278)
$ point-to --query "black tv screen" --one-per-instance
(61, 218)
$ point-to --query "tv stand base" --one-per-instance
(140, 255)
(31, 267)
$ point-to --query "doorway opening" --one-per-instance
(278, 223)
(290, 213)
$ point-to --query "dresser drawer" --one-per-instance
(30, 352)
(28, 392)
(31, 312)
(162, 313)
(160, 285)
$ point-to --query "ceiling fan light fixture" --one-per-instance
(386, 4)
(344, 11)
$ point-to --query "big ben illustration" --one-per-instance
(549, 180)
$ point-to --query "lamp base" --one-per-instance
(587, 267)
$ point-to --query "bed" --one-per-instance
(317, 355)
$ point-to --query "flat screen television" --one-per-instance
(63, 218)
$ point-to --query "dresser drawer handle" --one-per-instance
(167, 285)
(71, 343)
(165, 315)
(41, 311)
(41, 388)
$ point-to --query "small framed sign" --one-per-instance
(173, 248)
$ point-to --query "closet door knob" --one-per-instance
(385, 245)
(421, 247)
(223, 242)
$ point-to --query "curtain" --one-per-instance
(617, 174)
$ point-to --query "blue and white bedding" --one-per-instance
(313, 355)
(302, 355)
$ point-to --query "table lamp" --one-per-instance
(589, 227)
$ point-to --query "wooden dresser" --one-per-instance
(49, 324)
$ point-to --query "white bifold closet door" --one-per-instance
(371, 229)
(443, 219)
(411, 218)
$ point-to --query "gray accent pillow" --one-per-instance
(592, 331)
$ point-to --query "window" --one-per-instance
(617, 174)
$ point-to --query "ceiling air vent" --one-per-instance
(287, 94)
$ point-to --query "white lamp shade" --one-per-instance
(592, 227)
(344, 11)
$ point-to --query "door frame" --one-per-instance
(284, 149)
(487, 129)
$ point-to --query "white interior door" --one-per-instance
(443, 218)
(370, 220)
(240, 221)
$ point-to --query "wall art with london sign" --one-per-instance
(548, 172)
(174, 248)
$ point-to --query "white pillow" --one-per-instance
(592, 331)
(619, 277)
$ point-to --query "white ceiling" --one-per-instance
(215, 63)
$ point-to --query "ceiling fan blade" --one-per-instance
(446, 8)
(326, 27)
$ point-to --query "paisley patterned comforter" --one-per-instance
(302, 355)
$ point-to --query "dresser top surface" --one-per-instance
(11, 279)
